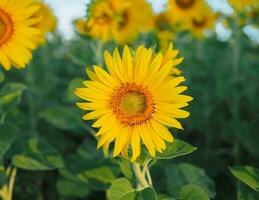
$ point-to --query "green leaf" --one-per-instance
(7, 136)
(70, 189)
(38, 155)
(10, 96)
(99, 173)
(193, 192)
(248, 175)
(70, 186)
(125, 167)
(147, 193)
(161, 196)
(62, 117)
(75, 83)
(121, 189)
(88, 150)
(181, 174)
(175, 149)
(246, 193)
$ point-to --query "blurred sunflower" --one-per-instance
(242, 4)
(18, 36)
(81, 26)
(121, 20)
(48, 22)
(163, 27)
(102, 18)
(199, 24)
(183, 10)
(135, 18)
(134, 102)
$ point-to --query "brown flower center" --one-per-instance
(6, 27)
(132, 104)
(199, 23)
(124, 20)
(185, 4)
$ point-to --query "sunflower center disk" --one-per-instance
(185, 4)
(6, 27)
(132, 104)
(199, 22)
(124, 19)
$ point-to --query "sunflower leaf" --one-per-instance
(38, 155)
(121, 189)
(175, 149)
(147, 193)
(10, 96)
(7, 136)
(193, 192)
(248, 175)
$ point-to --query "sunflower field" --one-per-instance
(140, 103)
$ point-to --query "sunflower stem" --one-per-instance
(142, 182)
(11, 183)
(236, 63)
(146, 172)
(98, 51)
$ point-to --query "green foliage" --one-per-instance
(181, 174)
(147, 193)
(38, 155)
(62, 117)
(10, 96)
(246, 193)
(69, 186)
(1, 76)
(248, 175)
(121, 189)
(193, 192)
(7, 136)
(175, 149)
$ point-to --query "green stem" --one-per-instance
(235, 69)
(143, 183)
(97, 48)
(11, 183)
(146, 172)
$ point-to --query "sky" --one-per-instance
(68, 10)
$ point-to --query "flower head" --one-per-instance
(121, 20)
(135, 101)
(48, 22)
(18, 35)
(202, 22)
(183, 10)
(135, 18)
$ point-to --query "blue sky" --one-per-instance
(67, 10)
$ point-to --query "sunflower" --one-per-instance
(242, 4)
(81, 26)
(135, 18)
(134, 102)
(163, 29)
(18, 36)
(103, 18)
(48, 22)
(183, 10)
(199, 24)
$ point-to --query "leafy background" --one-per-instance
(42, 135)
